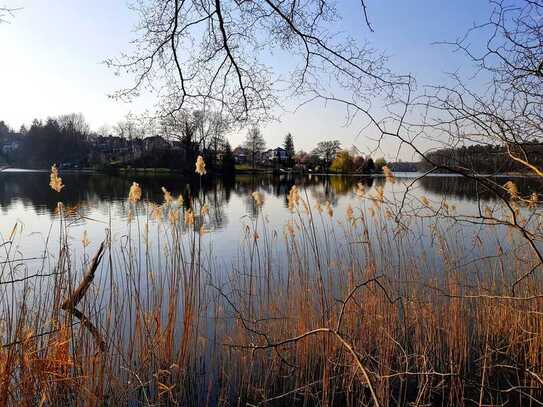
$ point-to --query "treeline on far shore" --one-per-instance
(484, 159)
(68, 142)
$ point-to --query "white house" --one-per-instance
(10, 147)
(276, 154)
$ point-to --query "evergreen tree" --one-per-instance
(228, 162)
(289, 147)
(369, 166)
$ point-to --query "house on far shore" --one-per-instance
(240, 155)
(278, 154)
(273, 155)
(105, 149)
(10, 147)
(155, 143)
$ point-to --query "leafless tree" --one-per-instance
(129, 128)
(104, 130)
(6, 13)
(506, 112)
(74, 124)
(199, 53)
(205, 129)
(255, 144)
(210, 129)
(327, 151)
(509, 110)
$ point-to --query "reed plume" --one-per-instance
(55, 181)
(134, 194)
(200, 166)
(258, 198)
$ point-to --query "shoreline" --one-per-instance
(158, 170)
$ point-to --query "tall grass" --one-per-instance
(330, 308)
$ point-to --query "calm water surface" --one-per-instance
(99, 203)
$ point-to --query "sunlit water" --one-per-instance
(98, 203)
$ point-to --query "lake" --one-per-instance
(190, 296)
(98, 202)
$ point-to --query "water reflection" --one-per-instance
(100, 204)
(32, 190)
(463, 189)
(97, 192)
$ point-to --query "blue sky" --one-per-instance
(52, 53)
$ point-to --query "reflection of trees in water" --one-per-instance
(319, 187)
(97, 192)
(459, 187)
(330, 188)
(217, 199)
(245, 185)
(278, 186)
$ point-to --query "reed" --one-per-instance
(333, 309)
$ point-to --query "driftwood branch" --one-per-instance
(71, 302)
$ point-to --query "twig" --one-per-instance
(341, 339)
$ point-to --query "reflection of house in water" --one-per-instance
(33, 188)
(91, 191)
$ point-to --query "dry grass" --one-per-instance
(339, 309)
